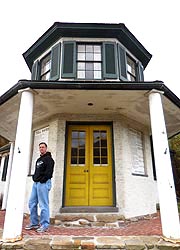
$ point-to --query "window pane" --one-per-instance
(82, 152)
(82, 160)
(97, 74)
(89, 48)
(96, 152)
(97, 66)
(81, 74)
(96, 161)
(46, 76)
(89, 66)
(103, 134)
(97, 57)
(74, 134)
(97, 49)
(81, 56)
(74, 152)
(103, 151)
(81, 66)
(81, 48)
(104, 160)
(89, 56)
(73, 160)
(89, 74)
(131, 77)
(104, 143)
(82, 134)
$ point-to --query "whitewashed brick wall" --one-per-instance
(135, 195)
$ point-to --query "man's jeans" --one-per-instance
(40, 194)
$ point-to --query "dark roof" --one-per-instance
(89, 30)
(105, 85)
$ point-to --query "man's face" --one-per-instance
(42, 149)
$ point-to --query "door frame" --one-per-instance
(89, 123)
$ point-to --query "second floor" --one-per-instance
(87, 52)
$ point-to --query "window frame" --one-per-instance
(46, 72)
(89, 61)
(129, 72)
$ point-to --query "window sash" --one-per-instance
(131, 69)
(89, 61)
(45, 67)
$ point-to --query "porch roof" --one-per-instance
(88, 97)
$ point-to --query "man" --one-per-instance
(40, 190)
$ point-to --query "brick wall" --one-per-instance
(135, 195)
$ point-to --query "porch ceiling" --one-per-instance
(49, 102)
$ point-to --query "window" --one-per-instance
(45, 67)
(89, 62)
(4, 173)
(131, 69)
(100, 150)
(78, 147)
(80, 60)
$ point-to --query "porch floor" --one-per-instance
(144, 233)
(145, 226)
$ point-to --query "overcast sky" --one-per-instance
(155, 23)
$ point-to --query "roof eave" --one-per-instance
(105, 85)
(104, 30)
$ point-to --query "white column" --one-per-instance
(16, 196)
(165, 181)
(8, 175)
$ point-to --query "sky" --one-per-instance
(155, 23)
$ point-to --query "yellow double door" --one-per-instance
(89, 166)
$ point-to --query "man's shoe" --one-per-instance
(31, 227)
(42, 229)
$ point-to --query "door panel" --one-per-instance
(76, 176)
(89, 166)
(100, 189)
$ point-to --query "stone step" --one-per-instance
(93, 243)
(95, 220)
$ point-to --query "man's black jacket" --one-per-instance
(44, 168)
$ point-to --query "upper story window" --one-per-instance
(89, 61)
(131, 69)
(45, 67)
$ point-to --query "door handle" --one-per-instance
(86, 170)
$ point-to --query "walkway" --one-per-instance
(136, 234)
(150, 225)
